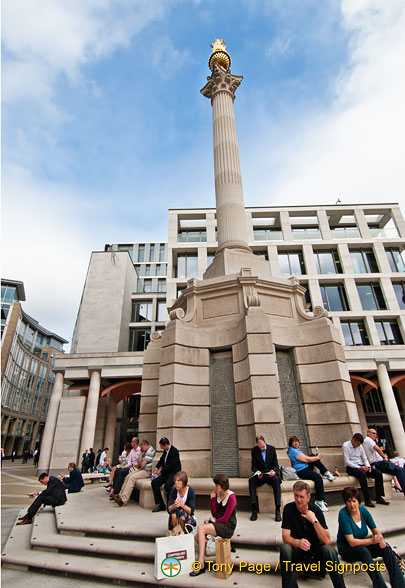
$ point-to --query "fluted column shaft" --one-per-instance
(50, 426)
(391, 408)
(231, 217)
(90, 417)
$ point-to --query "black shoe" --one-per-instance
(278, 516)
(159, 508)
(233, 550)
(370, 504)
(253, 516)
(381, 500)
(198, 572)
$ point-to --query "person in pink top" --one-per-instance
(223, 509)
(133, 459)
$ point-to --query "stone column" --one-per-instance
(221, 87)
(50, 426)
(90, 417)
(110, 425)
(34, 436)
(391, 407)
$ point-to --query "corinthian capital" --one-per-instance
(221, 80)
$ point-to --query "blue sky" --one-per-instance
(104, 127)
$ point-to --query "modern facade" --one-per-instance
(28, 352)
(281, 320)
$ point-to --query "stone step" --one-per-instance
(45, 536)
(17, 554)
(91, 536)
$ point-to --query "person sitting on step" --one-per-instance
(304, 466)
(265, 470)
(53, 495)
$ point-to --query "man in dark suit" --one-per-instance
(265, 470)
(91, 458)
(168, 465)
(53, 495)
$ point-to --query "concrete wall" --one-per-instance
(105, 310)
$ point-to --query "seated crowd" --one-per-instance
(305, 535)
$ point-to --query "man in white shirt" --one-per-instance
(357, 465)
(379, 461)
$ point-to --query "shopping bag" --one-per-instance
(173, 556)
(223, 557)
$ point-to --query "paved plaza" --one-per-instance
(20, 479)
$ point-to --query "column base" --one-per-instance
(231, 261)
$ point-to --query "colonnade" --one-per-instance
(89, 421)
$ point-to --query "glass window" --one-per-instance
(151, 253)
(162, 251)
(328, 262)
(161, 286)
(345, 233)
(355, 333)
(187, 265)
(141, 252)
(138, 339)
(262, 234)
(147, 285)
(399, 290)
(291, 262)
(396, 259)
(306, 233)
(141, 311)
(371, 297)
(161, 311)
(210, 258)
(195, 235)
(364, 261)
(389, 333)
(334, 297)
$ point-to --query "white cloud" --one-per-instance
(49, 38)
(167, 58)
(353, 149)
(278, 48)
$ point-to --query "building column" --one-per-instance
(50, 426)
(391, 407)
(110, 425)
(5, 426)
(34, 436)
(90, 417)
(360, 410)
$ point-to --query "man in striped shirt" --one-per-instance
(144, 471)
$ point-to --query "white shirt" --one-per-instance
(354, 456)
(102, 459)
(371, 453)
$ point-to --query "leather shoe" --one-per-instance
(158, 508)
(278, 516)
(382, 501)
(118, 499)
(369, 505)
(25, 522)
(198, 572)
(22, 518)
(253, 516)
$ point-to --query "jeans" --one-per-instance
(323, 554)
(309, 474)
(365, 554)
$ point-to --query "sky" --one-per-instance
(104, 127)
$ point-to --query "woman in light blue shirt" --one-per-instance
(304, 465)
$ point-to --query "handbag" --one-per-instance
(400, 561)
(210, 546)
(288, 473)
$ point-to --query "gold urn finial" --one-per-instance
(219, 55)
